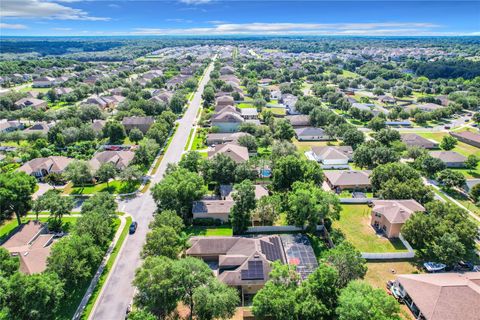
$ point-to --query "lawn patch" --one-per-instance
(114, 187)
(209, 231)
(354, 222)
(379, 272)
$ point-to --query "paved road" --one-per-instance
(118, 290)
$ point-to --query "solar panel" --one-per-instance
(271, 250)
(254, 271)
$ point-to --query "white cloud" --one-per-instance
(12, 26)
(43, 9)
(195, 2)
(217, 28)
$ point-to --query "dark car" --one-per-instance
(447, 127)
(133, 227)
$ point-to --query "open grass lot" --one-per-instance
(29, 88)
(380, 271)
(114, 187)
(349, 74)
(210, 231)
(276, 111)
(244, 105)
(355, 224)
(464, 201)
(303, 146)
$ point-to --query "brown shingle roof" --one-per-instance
(396, 211)
(237, 153)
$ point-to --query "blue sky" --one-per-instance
(216, 17)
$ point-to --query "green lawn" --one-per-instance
(303, 146)
(355, 224)
(29, 88)
(349, 74)
(189, 139)
(199, 140)
(210, 231)
(244, 105)
(114, 187)
(108, 267)
(277, 111)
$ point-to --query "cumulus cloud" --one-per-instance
(12, 26)
(257, 28)
(43, 9)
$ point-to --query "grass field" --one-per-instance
(29, 88)
(114, 187)
(276, 111)
(189, 139)
(379, 272)
(355, 224)
(199, 140)
(210, 231)
(244, 105)
(303, 146)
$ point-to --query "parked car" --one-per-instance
(447, 127)
(133, 227)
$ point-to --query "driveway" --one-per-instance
(118, 291)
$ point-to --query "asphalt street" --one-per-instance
(118, 290)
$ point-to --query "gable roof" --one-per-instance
(237, 153)
(444, 296)
(333, 152)
(467, 135)
(413, 139)
(121, 159)
(227, 116)
(348, 177)
(309, 131)
(52, 163)
(396, 211)
(448, 156)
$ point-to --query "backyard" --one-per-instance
(114, 187)
(210, 231)
(304, 146)
(354, 222)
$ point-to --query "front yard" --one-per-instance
(114, 187)
(355, 224)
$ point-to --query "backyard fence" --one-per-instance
(356, 200)
(280, 229)
(391, 255)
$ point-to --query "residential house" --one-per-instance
(226, 192)
(219, 138)
(470, 183)
(298, 121)
(237, 153)
(42, 167)
(227, 70)
(61, 91)
(31, 102)
(97, 100)
(467, 137)
(339, 180)
(98, 125)
(428, 107)
(212, 209)
(289, 101)
(141, 123)
(248, 113)
(373, 108)
(223, 101)
(10, 125)
(227, 121)
(162, 96)
(39, 127)
(333, 156)
(415, 140)
(31, 243)
(44, 82)
(389, 216)
(441, 296)
(243, 263)
(311, 134)
(451, 159)
(121, 159)
(386, 99)
(113, 101)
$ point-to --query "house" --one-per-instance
(386, 99)
(227, 189)
(428, 107)
(141, 123)
(219, 138)
(237, 153)
(113, 101)
(373, 108)
(121, 159)
(31, 243)
(311, 134)
(441, 296)
(348, 179)
(39, 127)
(243, 263)
(470, 183)
(42, 167)
(402, 123)
(264, 82)
(44, 82)
(98, 125)
(415, 140)
(227, 121)
(212, 209)
(10, 125)
(289, 101)
(162, 96)
(275, 94)
(467, 137)
(31, 102)
(248, 113)
(298, 121)
(388, 216)
(451, 159)
(224, 101)
(62, 91)
(97, 100)
(333, 156)
(227, 70)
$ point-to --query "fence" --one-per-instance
(356, 200)
(279, 229)
(391, 255)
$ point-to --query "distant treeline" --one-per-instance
(449, 69)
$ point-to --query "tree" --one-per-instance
(34, 297)
(451, 179)
(8, 264)
(248, 142)
(74, 259)
(215, 301)
(163, 241)
(146, 152)
(135, 135)
(377, 124)
(219, 169)
(89, 112)
(177, 102)
(472, 162)
(348, 261)
(240, 215)
(409, 189)
(353, 137)
(57, 205)
(141, 315)
(359, 301)
(100, 202)
(208, 96)
(289, 169)
(131, 174)
(425, 231)
(277, 298)
(429, 165)
(106, 171)
(177, 191)
(79, 172)
(371, 154)
(282, 148)
(283, 130)
(387, 136)
(308, 205)
(448, 142)
(16, 189)
(159, 132)
(191, 161)
(267, 210)
(156, 286)
(317, 295)
(168, 218)
(475, 193)
(398, 171)
(115, 132)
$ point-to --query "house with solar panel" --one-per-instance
(245, 263)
